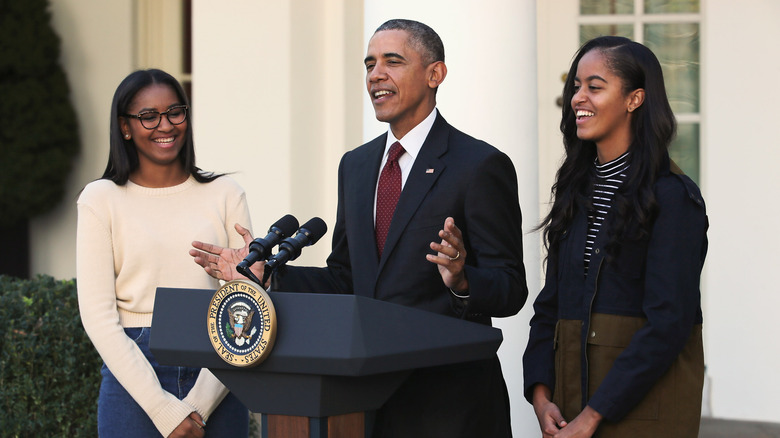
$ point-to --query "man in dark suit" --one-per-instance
(458, 208)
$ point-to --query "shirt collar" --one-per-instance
(414, 139)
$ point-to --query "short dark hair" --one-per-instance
(424, 39)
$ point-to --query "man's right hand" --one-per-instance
(221, 262)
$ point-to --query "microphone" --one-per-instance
(291, 247)
(260, 249)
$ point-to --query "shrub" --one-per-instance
(49, 370)
(38, 134)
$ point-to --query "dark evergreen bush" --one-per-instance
(38, 129)
(49, 370)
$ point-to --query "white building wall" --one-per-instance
(489, 93)
(265, 78)
(741, 185)
(241, 100)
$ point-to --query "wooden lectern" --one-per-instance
(336, 357)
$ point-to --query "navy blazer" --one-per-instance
(453, 175)
(476, 184)
(655, 278)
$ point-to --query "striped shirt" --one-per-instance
(609, 177)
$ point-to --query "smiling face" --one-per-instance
(158, 147)
(602, 107)
(401, 88)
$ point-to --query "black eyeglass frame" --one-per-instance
(165, 113)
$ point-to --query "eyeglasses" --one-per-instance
(151, 119)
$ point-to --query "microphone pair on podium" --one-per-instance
(289, 247)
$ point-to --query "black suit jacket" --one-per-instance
(453, 175)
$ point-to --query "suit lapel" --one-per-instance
(361, 222)
(426, 170)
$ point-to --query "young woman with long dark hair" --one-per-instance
(615, 348)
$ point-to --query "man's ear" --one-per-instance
(635, 99)
(437, 71)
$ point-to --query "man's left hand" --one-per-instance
(451, 257)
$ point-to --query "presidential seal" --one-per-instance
(242, 323)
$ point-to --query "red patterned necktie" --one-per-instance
(387, 194)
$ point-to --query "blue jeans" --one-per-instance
(119, 416)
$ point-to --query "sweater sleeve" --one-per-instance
(208, 392)
(100, 317)
(206, 395)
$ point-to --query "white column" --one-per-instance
(275, 98)
(489, 93)
(241, 99)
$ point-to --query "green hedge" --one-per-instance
(39, 133)
(49, 370)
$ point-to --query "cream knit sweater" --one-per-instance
(131, 240)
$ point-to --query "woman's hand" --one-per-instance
(221, 262)
(583, 426)
(191, 427)
(549, 415)
(451, 257)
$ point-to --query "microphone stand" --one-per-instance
(266, 274)
(246, 272)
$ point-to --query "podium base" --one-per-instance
(338, 426)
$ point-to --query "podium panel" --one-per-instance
(334, 354)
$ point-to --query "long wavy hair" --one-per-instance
(653, 127)
(123, 155)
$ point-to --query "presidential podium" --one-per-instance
(335, 357)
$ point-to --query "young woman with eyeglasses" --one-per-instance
(135, 226)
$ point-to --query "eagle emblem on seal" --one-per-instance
(240, 322)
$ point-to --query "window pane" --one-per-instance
(677, 47)
(671, 6)
(590, 31)
(684, 149)
(606, 7)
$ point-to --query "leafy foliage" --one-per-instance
(38, 131)
(49, 370)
